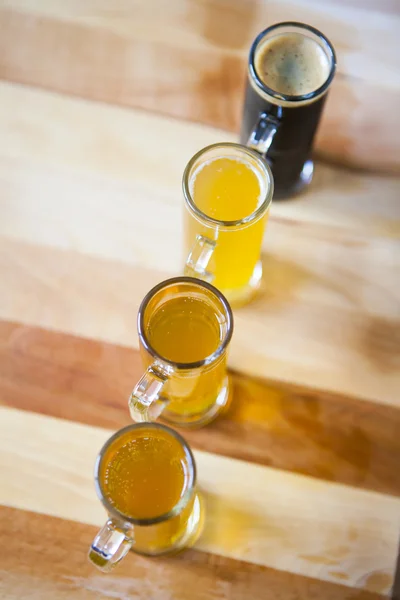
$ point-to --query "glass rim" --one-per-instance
(288, 97)
(256, 214)
(202, 284)
(182, 502)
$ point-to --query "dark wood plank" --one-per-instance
(45, 559)
(330, 437)
(196, 70)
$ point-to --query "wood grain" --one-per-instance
(85, 154)
(326, 323)
(180, 61)
(323, 435)
(300, 475)
(79, 185)
(396, 583)
(62, 571)
(77, 175)
(266, 521)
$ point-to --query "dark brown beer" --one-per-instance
(290, 69)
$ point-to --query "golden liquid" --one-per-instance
(228, 189)
(184, 330)
(145, 476)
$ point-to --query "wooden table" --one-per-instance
(302, 474)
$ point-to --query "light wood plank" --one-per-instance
(197, 25)
(87, 182)
(311, 335)
(63, 571)
(327, 436)
(195, 69)
(276, 519)
(76, 155)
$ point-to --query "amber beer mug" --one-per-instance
(290, 69)
(145, 476)
(184, 326)
(227, 190)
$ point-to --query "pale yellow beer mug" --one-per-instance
(145, 476)
(228, 191)
(184, 326)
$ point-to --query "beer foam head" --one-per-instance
(292, 64)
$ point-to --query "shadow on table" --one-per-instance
(233, 529)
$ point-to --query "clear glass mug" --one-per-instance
(186, 392)
(153, 535)
(278, 125)
(227, 253)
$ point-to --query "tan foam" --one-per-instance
(292, 64)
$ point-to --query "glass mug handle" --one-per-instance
(110, 546)
(199, 257)
(145, 402)
(263, 134)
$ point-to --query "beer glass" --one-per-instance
(227, 191)
(145, 476)
(184, 326)
(290, 69)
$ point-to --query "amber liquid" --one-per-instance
(184, 330)
(187, 330)
(228, 189)
(145, 477)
